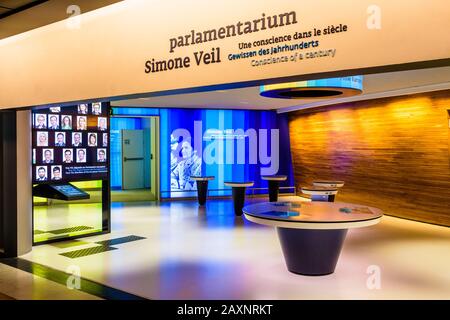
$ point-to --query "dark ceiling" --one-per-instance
(17, 16)
(10, 7)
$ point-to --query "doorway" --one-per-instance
(134, 158)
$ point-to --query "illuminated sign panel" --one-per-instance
(142, 47)
(231, 145)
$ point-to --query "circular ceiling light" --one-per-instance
(311, 89)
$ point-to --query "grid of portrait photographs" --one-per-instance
(73, 137)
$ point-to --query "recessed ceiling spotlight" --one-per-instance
(311, 89)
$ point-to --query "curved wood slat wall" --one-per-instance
(393, 153)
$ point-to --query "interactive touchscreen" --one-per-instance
(71, 143)
(281, 214)
(65, 192)
(68, 190)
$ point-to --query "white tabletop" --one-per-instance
(206, 178)
(319, 191)
(274, 178)
(312, 215)
(239, 184)
(328, 183)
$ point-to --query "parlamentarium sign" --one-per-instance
(140, 47)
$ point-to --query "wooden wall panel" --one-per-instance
(393, 153)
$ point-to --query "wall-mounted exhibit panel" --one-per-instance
(392, 153)
(70, 170)
(70, 143)
(231, 145)
(217, 43)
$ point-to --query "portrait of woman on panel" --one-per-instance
(83, 108)
(188, 164)
(66, 122)
(92, 140)
(42, 138)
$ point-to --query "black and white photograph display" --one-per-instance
(40, 121)
(70, 143)
(53, 122)
(60, 139)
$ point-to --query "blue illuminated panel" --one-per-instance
(232, 145)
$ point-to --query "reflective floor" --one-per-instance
(63, 220)
(207, 253)
(20, 285)
(132, 195)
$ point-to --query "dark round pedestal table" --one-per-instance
(328, 183)
(274, 186)
(238, 189)
(202, 188)
(312, 234)
(326, 194)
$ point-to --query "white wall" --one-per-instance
(104, 55)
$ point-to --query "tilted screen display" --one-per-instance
(71, 143)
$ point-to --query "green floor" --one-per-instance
(56, 219)
(62, 220)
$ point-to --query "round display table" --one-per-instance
(238, 189)
(274, 186)
(328, 183)
(202, 188)
(320, 193)
(311, 234)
